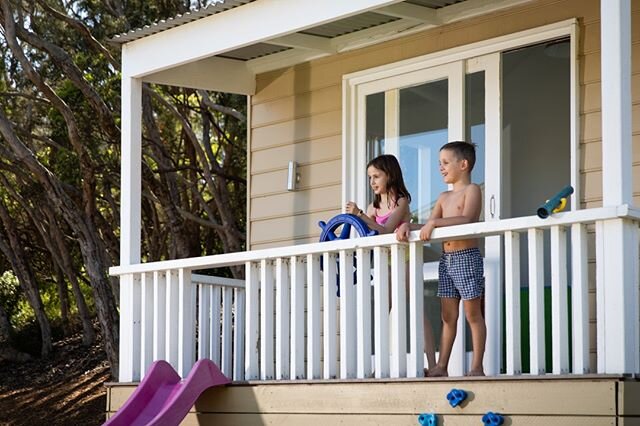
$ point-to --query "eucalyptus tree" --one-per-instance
(59, 151)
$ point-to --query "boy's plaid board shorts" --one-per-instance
(461, 274)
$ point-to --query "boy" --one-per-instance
(460, 273)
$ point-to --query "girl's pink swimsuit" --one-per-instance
(381, 220)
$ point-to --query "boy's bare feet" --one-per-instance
(438, 371)
(475, 373)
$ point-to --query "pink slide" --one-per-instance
(163, 399)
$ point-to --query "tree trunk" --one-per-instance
(63, 296)
(66, 263)
(7, 351)
(92, 252)
(12, 249)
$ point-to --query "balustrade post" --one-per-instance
(186, 323)
(129, 351)
(252, 335)
(416, 310)
(146, 322)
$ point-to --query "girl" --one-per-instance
(389, 210)
(390, 207)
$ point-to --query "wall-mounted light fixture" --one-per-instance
(292, 176)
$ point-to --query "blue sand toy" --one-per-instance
(492, 419)
(428, 419)
(346, 221)
(557, 203)
(456, 396)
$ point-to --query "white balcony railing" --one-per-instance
(293, 325)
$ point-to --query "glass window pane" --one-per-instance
(423, 129)
(475, 125)
(536, 129)
(375, 125)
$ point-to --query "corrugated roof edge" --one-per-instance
(165, 24)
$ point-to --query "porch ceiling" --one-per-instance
(374, 22)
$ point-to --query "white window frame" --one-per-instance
(354, 149)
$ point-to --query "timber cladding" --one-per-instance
(586, 401)
(296, 115)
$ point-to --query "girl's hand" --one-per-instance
(402, 233)
(352, 208)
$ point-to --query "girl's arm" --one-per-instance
(397, 216)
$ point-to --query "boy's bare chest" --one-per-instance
(453, 204)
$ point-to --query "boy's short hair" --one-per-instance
(463, 151)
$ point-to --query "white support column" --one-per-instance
(131, 182)
(620, 237)
(131, 110)
(620, 297)
(616, 102)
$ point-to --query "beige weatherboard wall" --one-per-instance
(296, 115)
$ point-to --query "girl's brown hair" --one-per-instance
(395, 183)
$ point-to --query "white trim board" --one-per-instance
(484, 47)
(352, 119)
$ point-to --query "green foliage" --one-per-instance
(9, 292)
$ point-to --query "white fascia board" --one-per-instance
(242, 26)
(411, 12)
(220, 74)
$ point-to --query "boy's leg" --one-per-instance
(450, 308)
(473, 312)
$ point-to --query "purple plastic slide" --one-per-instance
(163, 399)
